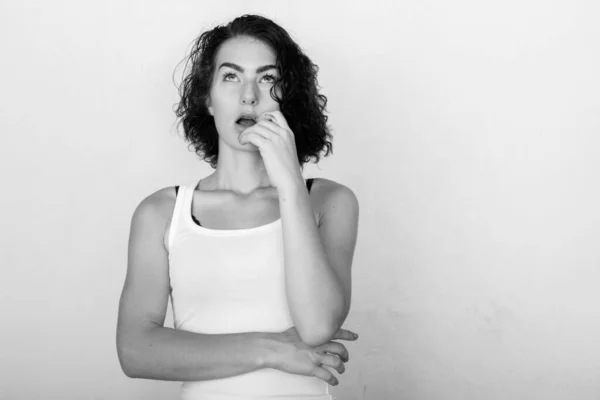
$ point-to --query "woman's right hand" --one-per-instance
(294, 356)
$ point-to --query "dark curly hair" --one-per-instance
(300, 103)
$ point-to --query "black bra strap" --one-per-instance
(309, 183)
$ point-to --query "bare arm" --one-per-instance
(146, 348)
(167, 354)
(318, 259)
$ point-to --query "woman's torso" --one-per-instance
(227, 276)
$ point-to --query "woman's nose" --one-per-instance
(250, 95)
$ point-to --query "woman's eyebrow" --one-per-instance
(240, 69)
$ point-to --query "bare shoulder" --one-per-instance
(160, 203)
(329, 196)
(156, 209)
(330, 192)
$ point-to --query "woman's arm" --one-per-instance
(318, 259)
(145, 348)
(156, 352)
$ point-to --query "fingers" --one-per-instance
(277, 117)
(333, 362)
(271, 131)
(255, 138)
(329, 361)
(259, 129)
(271, 126)
(326, 375)
(336, 348)
(344, 334)
(264, 129)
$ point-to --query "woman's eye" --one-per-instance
(229, 76)
(268, 78)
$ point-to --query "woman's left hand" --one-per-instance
(277, 146)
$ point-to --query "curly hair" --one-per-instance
(300, 102)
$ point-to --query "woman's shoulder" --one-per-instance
(327, 194)
(155, 211)
(158, 205)
(328, 188)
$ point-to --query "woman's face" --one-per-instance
(244, 74)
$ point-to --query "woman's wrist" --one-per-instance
(268, 346)
(293, 187)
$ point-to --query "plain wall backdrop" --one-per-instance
(469, 131)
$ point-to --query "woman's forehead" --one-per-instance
(245, 51)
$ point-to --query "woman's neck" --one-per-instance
(242, 174)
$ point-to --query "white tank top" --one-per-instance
(231, 281)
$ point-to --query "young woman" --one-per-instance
(256, 259)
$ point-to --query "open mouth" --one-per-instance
(246, 121)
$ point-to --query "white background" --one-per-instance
(469, 131)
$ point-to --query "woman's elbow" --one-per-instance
(316, 337)
(126, 353)
(320, 333)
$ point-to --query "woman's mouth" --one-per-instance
(245, 122)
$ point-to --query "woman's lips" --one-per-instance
(245, 122)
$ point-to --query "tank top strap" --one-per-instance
(183, 205)
(187, 197)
